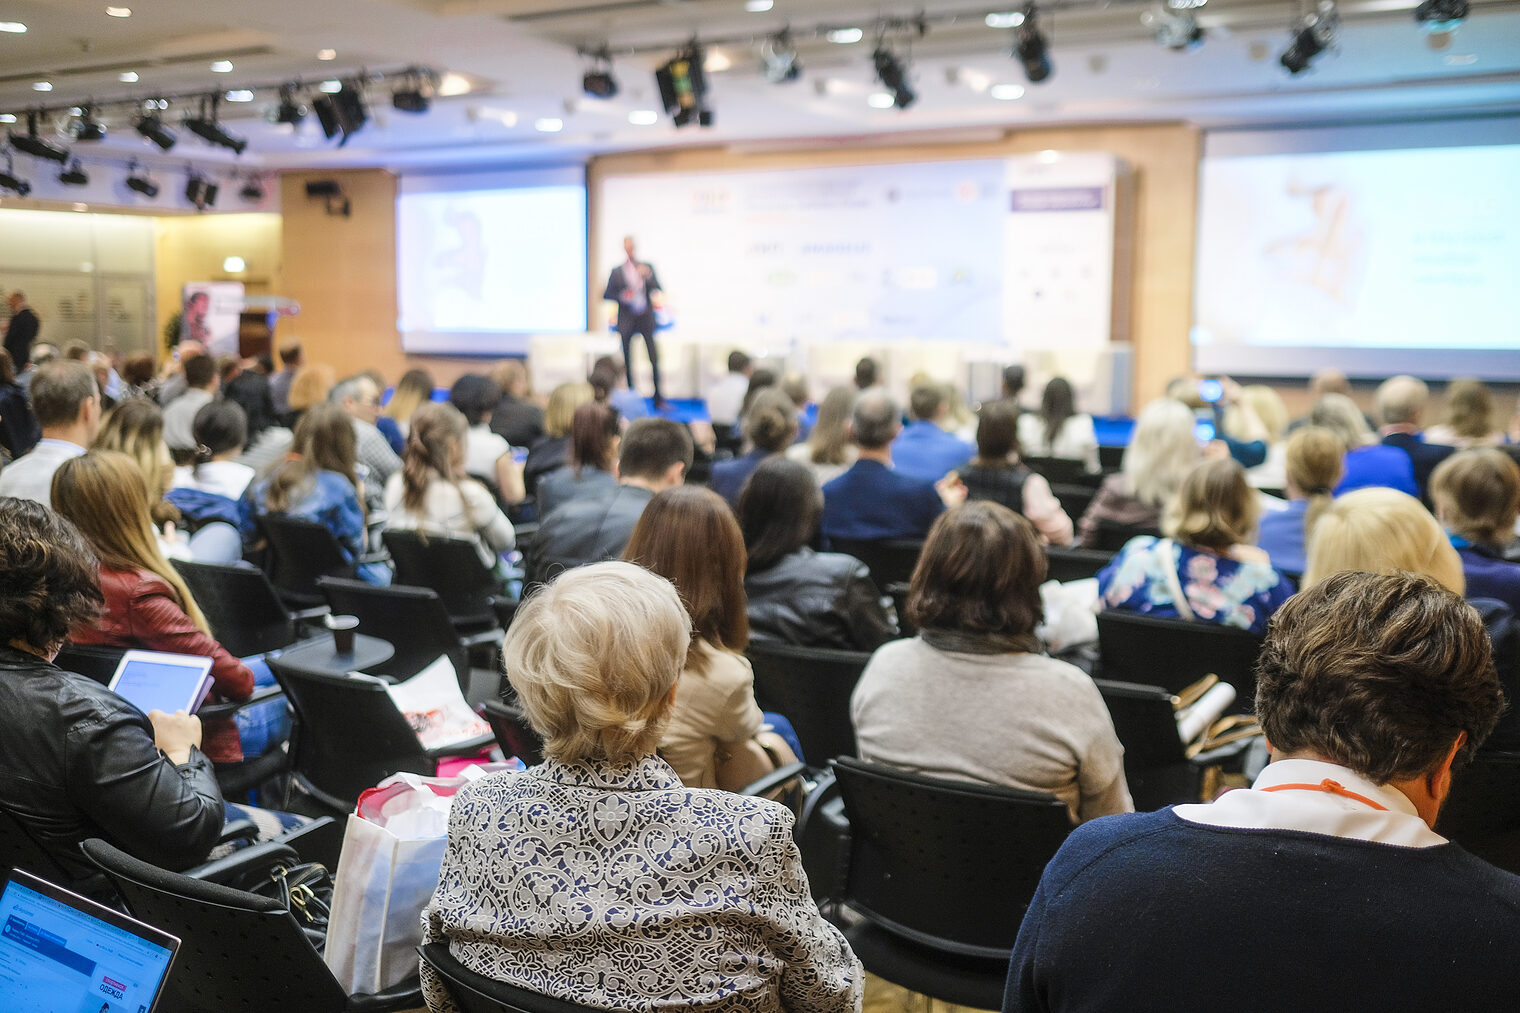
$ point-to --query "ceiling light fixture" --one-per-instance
(1005, 19)
(290, 110)
(239, 95)
(415, 93)
(1440, 16)
(327, 54)
(643, 117)
(1178, 31)
(127, 77)
(118, 12)
(221, 66)
(342, 112)
(30, 143)
(74, 175)
(1006, 92)
(880, 100)
(42, 86)
(548, 124)
(598, 81)
(893, 75)
(758, 6)
(683, 87)
(778, 58)
(206, 127)
(1031, 47)
(1313, 33)
(12, 27)
(140, 183)
(88, 128)
(845, 36)
(151, 126)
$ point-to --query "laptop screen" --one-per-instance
(62, 953)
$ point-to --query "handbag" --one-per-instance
(306, 891)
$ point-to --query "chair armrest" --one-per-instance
(468, 747)
(315, 612)
(246, 865)
(231, 707)
(403, 996)
(775, 779)
(481, 638)
(238, 830)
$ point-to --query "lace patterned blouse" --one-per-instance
(616, 887)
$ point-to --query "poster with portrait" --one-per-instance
(211, 314)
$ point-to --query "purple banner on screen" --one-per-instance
(1061, 198)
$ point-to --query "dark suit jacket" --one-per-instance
(19, 335)
(586, 530)
(1425, 457)
(871, 501)
(615, 288)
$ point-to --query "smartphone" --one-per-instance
(1210, 390)
(1204, 431)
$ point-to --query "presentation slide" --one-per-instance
(1374, 262)
(479, 270)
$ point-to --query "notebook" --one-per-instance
(168, 682)
(63, 953)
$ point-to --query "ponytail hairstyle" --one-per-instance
(219, 427)
(1314, 467)
(434, 448)
(770, 423)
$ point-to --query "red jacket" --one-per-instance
(143, 611)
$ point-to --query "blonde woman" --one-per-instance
(1477, 497)
(1270, 425)
(828, 452)
(413, 390)
(553, 449)
(1160, 453)
(1312, 469)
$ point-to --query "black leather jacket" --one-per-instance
(818, 599)
(77, 761)
(588, 529)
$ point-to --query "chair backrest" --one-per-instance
(92, 662)
(1155, 763)
(1062, 470)
(1482, 813)
(890, 560)
(946, 864)
(811, 687)
(20, 850)
(450, 566)
(412, 619)
(474, 993)
(1074, 498)
(300, 551)
(1110, 459)
(238, 951)
(1175, 653)
(513, 733)
(349, 735)
(1112, 535)
(1074, 564)
(241, 606)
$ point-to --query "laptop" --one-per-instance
(151, 680)
(63, 953)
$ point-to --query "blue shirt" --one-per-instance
(728, 477)
(1282, 536)
(924, 450)
(872, 501)
(1378, 465)
(330, 501)
(629, 403)
(1219, 590)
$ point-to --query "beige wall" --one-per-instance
(1163, 158)
(192, 248)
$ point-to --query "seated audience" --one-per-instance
(515, 418)
(1372, 690)
(592, 469)
(654, 455)
(77, 760)
(310, 387)
(922, 449)
(19, 431)
(1401, 404)
(1312, 469)
(1367, 463)
(359, 397)
(1470, 419)
(220, 430)
(175, 383)
(1477, 497)
(795, 595)
(714, 738)
(997, 474)
(595, 659)
(291, 361)
(139, 376)
(973, 697)
(609, 380)
(1250, 447)
(1058, 429)
(66, 402)
(248, 388)
(1208, 568)
(871, 500)
(1267, 406)
(726, 396)
(552, 450)
(413, 390)
(827, 451)
(770, 427)
(201, 386)
(796, 387)
(867, 374)
(486, 455)
(1162, 450)
(433, 494)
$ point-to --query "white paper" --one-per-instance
(1204, 711)
(434, 707)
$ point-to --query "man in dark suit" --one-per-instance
(1401, 403)
(21, 332)
(632, 285)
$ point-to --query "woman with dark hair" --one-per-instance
(770, 426)
(19, 431)
(78, 761)
(996, 474)
(972, 697)
(220, 430)
(798, 596)
(1058, 429)
(594, 438)
(716, 736)
(486, 455)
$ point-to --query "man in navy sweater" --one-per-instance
(1324, 885)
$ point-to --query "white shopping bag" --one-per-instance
(392, 850)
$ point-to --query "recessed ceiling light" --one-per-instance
(879, 100)
(240, 95)
(119, 12)
(13, 27)
(549, 124)
(758, 6)
(127, 77)
(643, 117)
(234, 265)
(717, 62)
(845, 36)
(453, 84)
(330, 87)
(42, 86)
(221, 67)
(7, 117)
(1005, 19)
(1006, 92)
(327, 54)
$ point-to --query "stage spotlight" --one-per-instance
(683, 87)
(89, 128)
(1313, 33)
(253, 190)
(893, 77)
(598, 81)
(1176, 30)
(778, 58)
(290, 110)
(152, 127)
(30, 144)
(1439, 16)
(200, 191)
(9, 180)
(74, 175)
(1031, 48)
(415, 92)
(140, 183)
(206, 127)
(341, 112)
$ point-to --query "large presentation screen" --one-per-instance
(484, 261)
(1374, 261)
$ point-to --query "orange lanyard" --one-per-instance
(1329, 787)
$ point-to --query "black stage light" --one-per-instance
(341, 113)
(201, 192)
(415, 93)
(290, 110)
(778, 58)
(253, 190)
(9, 180)
(89, 128)
(74, 175)
(1030, 46)
(30, 144)
(1313, 33)
(599, 83)
(683, 88)
(1437, 16)
(206, 127)
(140, 183)
(893, 77)
(152, 127)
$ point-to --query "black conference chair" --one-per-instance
(93, 662)
(474, 993)
(1062, 471)
(452, 567)
(240, 951)
(1112, 535)
(412, 619)
(1482, 813)
(513, 733)
(349, 736)
(1074, 498)
(243, 609)
(1110, 458)
(1074, 564)
(941, 873)
(300, 551)
(1175, 653)
(811, 687)
(890, 560)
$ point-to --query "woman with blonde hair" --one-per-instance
(1208, 568)
(1312, 469)
(432, 493)
(1160, 453)
(1367, 462)
(828, 452)
(552, 450)
(413, 390)
(1477, 498)
(1470, 418)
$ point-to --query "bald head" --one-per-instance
(1401, 401)
(1329, 381)
(875, 419)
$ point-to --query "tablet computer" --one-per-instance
(150, 681)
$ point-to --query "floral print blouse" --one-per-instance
(1218, 589)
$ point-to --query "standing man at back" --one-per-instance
(21, 331)
(632, 286)
(66, 403)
